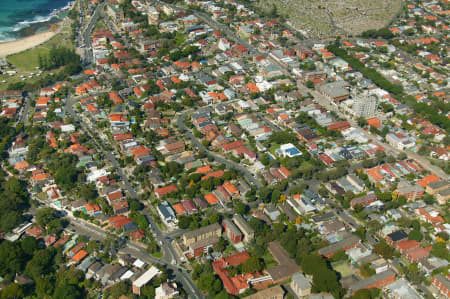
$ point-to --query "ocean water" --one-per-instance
(19, 18)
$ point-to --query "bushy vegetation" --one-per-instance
(368, 72)
(13, 201)
(301, 246)
(383, 33)
(58, 57)
(30, 257)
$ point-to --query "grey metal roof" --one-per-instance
(301, 281)
(371, 280)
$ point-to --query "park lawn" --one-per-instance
(16, 77)
(29, 59)
(158, 255)
(343, 268)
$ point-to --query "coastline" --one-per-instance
(28, 42)
(23, 44)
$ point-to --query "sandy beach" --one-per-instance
(25, 43)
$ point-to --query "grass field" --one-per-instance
(28, 60)
(343, 268)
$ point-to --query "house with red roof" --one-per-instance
(160, 192)
(418, 254)
(115, 98)
(179, 208)
(214, 174)
(137, 235)
(21, 167)
(339, 126)
(120, 206)
(189, 206)
(326, 159)
(232, 145)
(118, 222)
(404, 246)
(79, 256)
(123, 137)
(35, 231)
(233, 285)
(374, 122)
(428, 179)
(211, 198)
(91, 209)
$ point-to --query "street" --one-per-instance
(169, 254)
(230, 164)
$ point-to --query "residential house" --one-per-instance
(145, 279)
(232, 232)
(442, 283)
(400, 141)
(275, 292)
(201, 233)
(160, 192)
(410, 191)
(363, 200)
(243, 226)
(345, 244)
(379, 281)
(300, 285)
(166, 290)
(167, 214)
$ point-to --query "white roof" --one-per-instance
(138, 263)
(127, 275)
(68, 128)
(95, 173)
(146, 277)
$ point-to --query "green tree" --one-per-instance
(366, 270)
(415, 235)
(252, 265)
(439, 250)
(338, 256)
(69, 291)
(45, 215)
(44, 287)
(29, 245)
(367, 294)
(205, 281)
(383, 249)
(12, 291)
(241, 208)
(42, 263)
(119, 289)
(12, 258)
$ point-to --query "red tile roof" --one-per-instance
(428, 179)
(233, 145)
(179, 209)
(214, 174)
(166, 190)
(79, 256)
(211, 198)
